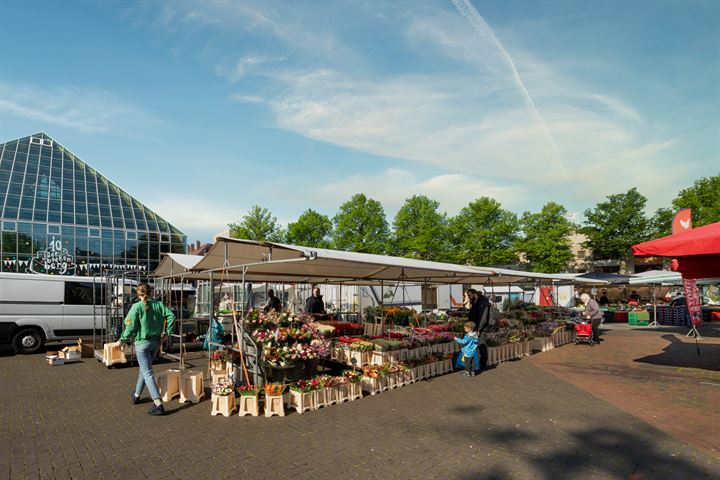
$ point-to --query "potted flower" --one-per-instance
(249, 404)
(218, 360)
(353, 386)
(274, 399)
(302, 396)
(223, 398)
(248, 390)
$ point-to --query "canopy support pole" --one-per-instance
(654, 323)
(382, 307)
(212, 314)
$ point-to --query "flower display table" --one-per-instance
(218, 376)
(302, 401)
(331, 395)
(341, 393)
(542, 344)
(249, 405)
(223, 404)
(111, 355)
(191, 387)
(563, 337)
(321, 398)
(274, 405)
(354, 391)
(168, 382)
(372, 385)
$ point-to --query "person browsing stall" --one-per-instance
(479, 314)
(315, 304)
(273, 303)
(593, 314)
(147, 323)
(604, 300)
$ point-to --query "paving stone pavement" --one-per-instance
(520, 420)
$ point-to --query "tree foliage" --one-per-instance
(660, 223)
(421, 230)
(483, 233)
(360, 226)
(258, 224)
(704, 200)
(546, 242)
(312, 229)
(615, 225)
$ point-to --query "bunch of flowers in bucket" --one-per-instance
(223, 389)
(285, 338)
(218, 359)
(353, 376)
(277, 356)
(274, 389)
(248, 390)
(305, 386)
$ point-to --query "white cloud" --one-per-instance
(237, 97)
(452, 122)
(197, 217)
(89, 110)
(468, 115)
(393, 186)
(235, 71)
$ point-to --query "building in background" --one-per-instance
(60, 216)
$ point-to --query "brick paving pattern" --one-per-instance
(531, 419)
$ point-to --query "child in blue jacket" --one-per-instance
(469, 357)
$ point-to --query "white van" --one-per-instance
(35, 309)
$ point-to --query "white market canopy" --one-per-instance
(236, 259)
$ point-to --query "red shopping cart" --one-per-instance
(584, 333)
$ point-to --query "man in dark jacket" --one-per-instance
(273, 303)
(479, 310)
(315, 304)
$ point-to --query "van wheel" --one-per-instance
(28, 340)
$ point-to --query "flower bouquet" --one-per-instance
(302, 395)
(248, 390)
(223, 389)
(218, 359)
(352, 376)
(274, 389)
(273, 399)
(302, 386)
(223, 399)
(361, 346)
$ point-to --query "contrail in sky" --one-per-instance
(481, 26)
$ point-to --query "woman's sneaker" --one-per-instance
(156, 410)
(135, 398)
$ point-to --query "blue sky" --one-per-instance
(201, 109)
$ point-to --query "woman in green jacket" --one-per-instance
(146, 324)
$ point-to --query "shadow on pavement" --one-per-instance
(710, 330)
(685, 354)
(604, 452)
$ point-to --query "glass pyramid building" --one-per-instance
(60, 216)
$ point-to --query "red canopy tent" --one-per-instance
(697, 251)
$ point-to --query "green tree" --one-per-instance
(258, 224)
(421, 230)
(704, 200)
(484, 234)
(612, 227)
(360, 226)
(661, 223)
(546, 241)
(312, 229)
